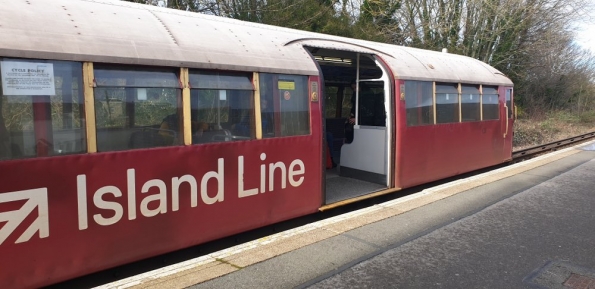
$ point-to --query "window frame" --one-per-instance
(56, 113)
(490, 89)
(280, 114)
(137, 83)
(470, 90)
(446, 89)
(420, 87)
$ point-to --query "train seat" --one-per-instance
(150, 137)
(209, 136)
(336, 126)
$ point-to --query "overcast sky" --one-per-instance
(586, 35)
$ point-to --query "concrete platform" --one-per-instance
(530, 225)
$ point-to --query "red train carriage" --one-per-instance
(127, 130)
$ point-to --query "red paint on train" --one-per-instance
(69, 251)
(432, 152)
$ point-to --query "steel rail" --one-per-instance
(552, 146)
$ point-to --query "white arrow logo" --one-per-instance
(36, 198)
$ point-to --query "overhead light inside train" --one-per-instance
(333, 60)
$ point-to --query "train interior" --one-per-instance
(359, 152)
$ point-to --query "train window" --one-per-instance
(136, 108)
(41, 111)
(509, 102)
(222, 106)
(220, 80)
(371, 104)
(287, 111)
(419, 103)
(470, 109)
(447, 102)
(489, 102)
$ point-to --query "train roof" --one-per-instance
(112, 31)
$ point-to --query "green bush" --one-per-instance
(587, 117)
(524, 137)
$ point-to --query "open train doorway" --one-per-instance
(357, 109)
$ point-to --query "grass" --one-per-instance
(553, 126)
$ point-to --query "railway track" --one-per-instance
(523, 154)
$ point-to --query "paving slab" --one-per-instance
(498, 246)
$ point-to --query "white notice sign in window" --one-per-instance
(27, 78)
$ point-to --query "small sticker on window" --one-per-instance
(27, 78)
(286, 85)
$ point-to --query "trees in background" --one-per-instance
(531, 41)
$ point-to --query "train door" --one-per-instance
(357, 111)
